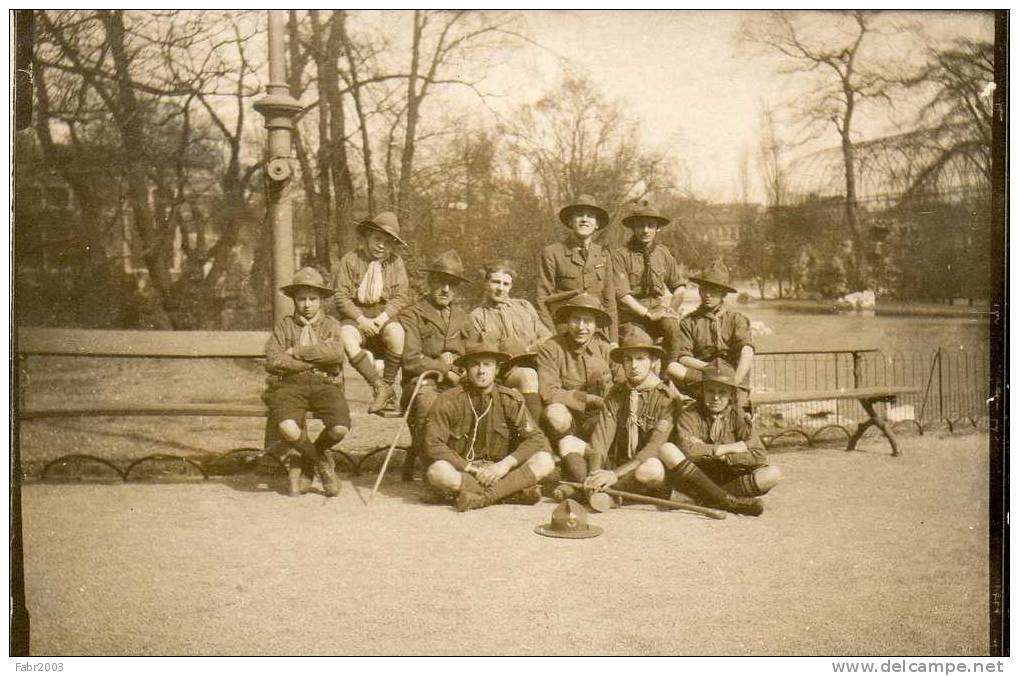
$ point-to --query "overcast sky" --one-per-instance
(684, 74)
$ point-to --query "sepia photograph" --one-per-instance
(478, 332)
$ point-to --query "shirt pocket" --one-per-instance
(431, 340)
(499, 441)
(569, 280)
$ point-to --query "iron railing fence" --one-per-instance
(954, 386)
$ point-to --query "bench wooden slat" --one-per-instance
(172, 344)
(219, 410)
(879, 392)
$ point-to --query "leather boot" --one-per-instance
(327, 470)
(382, 395)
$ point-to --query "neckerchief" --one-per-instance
(715, 317)
(646, 278)
(308, 335)
(369, 291)
(633, 412)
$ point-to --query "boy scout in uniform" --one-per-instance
(579, 264)
(483, 443)
(434, 339)
(574, 374)
(646, 276)
(371, 289)
(513, 325)
(304, 357)
(712, 331)
(718, 436)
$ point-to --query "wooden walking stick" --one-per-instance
(403, 423)
(647, 499)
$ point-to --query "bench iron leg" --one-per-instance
(876, 419)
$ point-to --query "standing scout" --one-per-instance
(434, 339)
(574, 374)
(580, 264)
(646, 276)
(304, 357)
(718, 436)
(371, 289)
(712, 331)
(514, 326)
(481, 439)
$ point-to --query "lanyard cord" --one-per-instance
(477, 423)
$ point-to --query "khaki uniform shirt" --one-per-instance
(324, 358)
(567, 372)
(698, 432)
(610, 438)
(514, 320)
(348, 275)
(453, 434)
(706, 336)
(430, 332)
(628, 269)
(565, 267)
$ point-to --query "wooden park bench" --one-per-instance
(151, 344)
(868, 397)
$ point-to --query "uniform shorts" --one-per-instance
(722, 472)
(299, 395)
(374, 343)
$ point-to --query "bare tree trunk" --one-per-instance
(413, 112)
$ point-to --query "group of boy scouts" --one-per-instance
(603, 385)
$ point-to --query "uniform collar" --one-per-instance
(570, 346)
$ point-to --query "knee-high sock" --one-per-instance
(365, 365)
(688, 478)
(469, 483)
(744, 486)
(325, 441)
(534, 407)
(517, 480)
(671, 338)
(391, 367)
(575, 467)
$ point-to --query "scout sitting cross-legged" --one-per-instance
(514, 326)
(713, 331)
(646, 277)
(371, 289)
(579, 264)
(634, 422)
(304, 357)
(434, 327)
(718, 436)
(481, 439)
(574, 374)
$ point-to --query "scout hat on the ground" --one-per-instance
(569, 520)
(385, 222)
(519, 355)
(635, 339)
(448, 264)
(583, 301)
(719, 371)
(478, 346)
(307, 277)
(645, 211)
(717, 275)
(584, 202)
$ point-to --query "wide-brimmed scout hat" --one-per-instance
(583, 301)
(584, 202)
(309, 278)
(448, 264)
(479, 346)
(717, 275)
(569, 520)
(645, 211)
(384, 221)
(635, 339)
(719, 371)
(519, 354)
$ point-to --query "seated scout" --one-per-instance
(304, 357)
(646, 275)
(483, 443)
(371, 289)
(712, 331)
(434, 339)
(718, 436)
(635, 421)
(514, 326)
(574, 373)
(580, 264)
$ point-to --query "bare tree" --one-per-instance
(829, 50)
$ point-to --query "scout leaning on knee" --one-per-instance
(304, 358)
